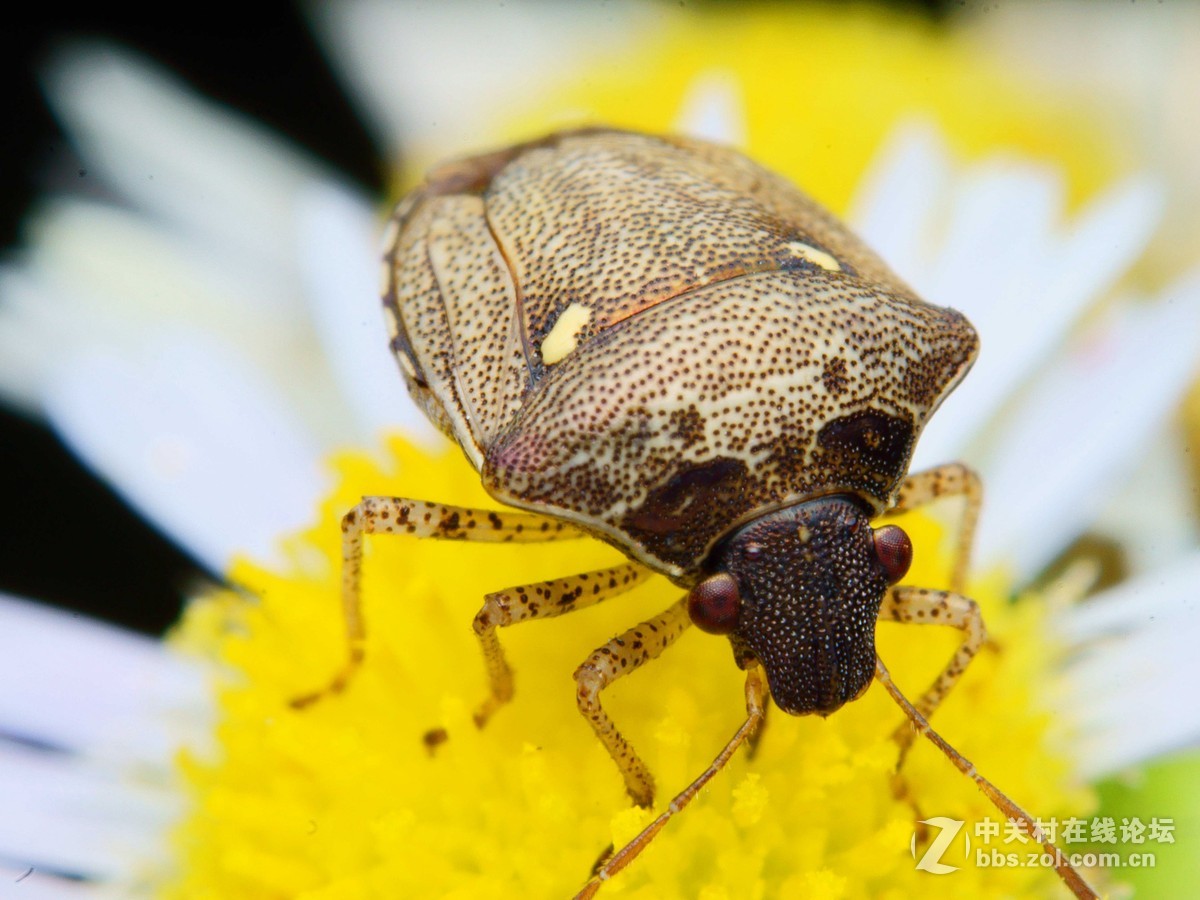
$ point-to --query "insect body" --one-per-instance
(659, 343)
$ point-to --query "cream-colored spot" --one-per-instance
(814, 256)
(805, 534)
(565, 334)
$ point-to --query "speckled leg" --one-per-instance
(543, 600)
(617, 658)
(950, 480)
(756, 689)
(419, 518)
(929, 607)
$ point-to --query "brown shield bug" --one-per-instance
(656, 342)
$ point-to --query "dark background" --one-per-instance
(257, 57)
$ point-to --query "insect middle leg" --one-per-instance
(418, 518)
(906, 604)
(542, 600)
(924, 606)
(619, 657)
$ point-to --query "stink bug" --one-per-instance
(656, 342)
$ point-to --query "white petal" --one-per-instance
(24, 362)
(897, 208)
(202, 168)
(86, 687)
(97, 272)
(1149, 514)
(1079, 434)
(713, 109)
(1130, 690)
(1023, 286)
(69, 816)
(338, 246)
(193, 438)
(433, 77)
(117, 707)
(30, 884)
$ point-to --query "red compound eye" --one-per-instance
(714, 603)
(893, 549)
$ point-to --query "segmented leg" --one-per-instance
(543, 600)
(419, 518)
(929, 607)
(756, 691)
(950, 480)
(617, 658)
(1073, 880)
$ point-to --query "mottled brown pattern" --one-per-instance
(834, 376)
(713, 344)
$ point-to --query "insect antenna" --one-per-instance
(1066, 871)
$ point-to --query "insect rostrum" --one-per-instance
(657, 342)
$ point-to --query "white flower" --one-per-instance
(204, 345)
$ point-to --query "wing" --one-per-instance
(671, 428)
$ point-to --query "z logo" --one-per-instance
(931, 861)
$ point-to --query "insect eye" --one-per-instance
(714, 603)
(893, 549)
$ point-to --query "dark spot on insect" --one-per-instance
(834, 376)
(692, 496)
(495, 521)
(450, 523)
(434, 738)
(870, 447)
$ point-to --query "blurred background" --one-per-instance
(258, 58)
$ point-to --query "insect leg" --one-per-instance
(543, 600)
(930, 607)
(950, 480)
(756, 690)
(419, 518)
(1073, 880)
(617, 658)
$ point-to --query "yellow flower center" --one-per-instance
(348, 799)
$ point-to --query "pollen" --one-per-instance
(347, 798)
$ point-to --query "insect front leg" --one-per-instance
(617, 658)
(950, 480)
(930, 607)
(418, 518)
(756, 692)
(542, 600)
